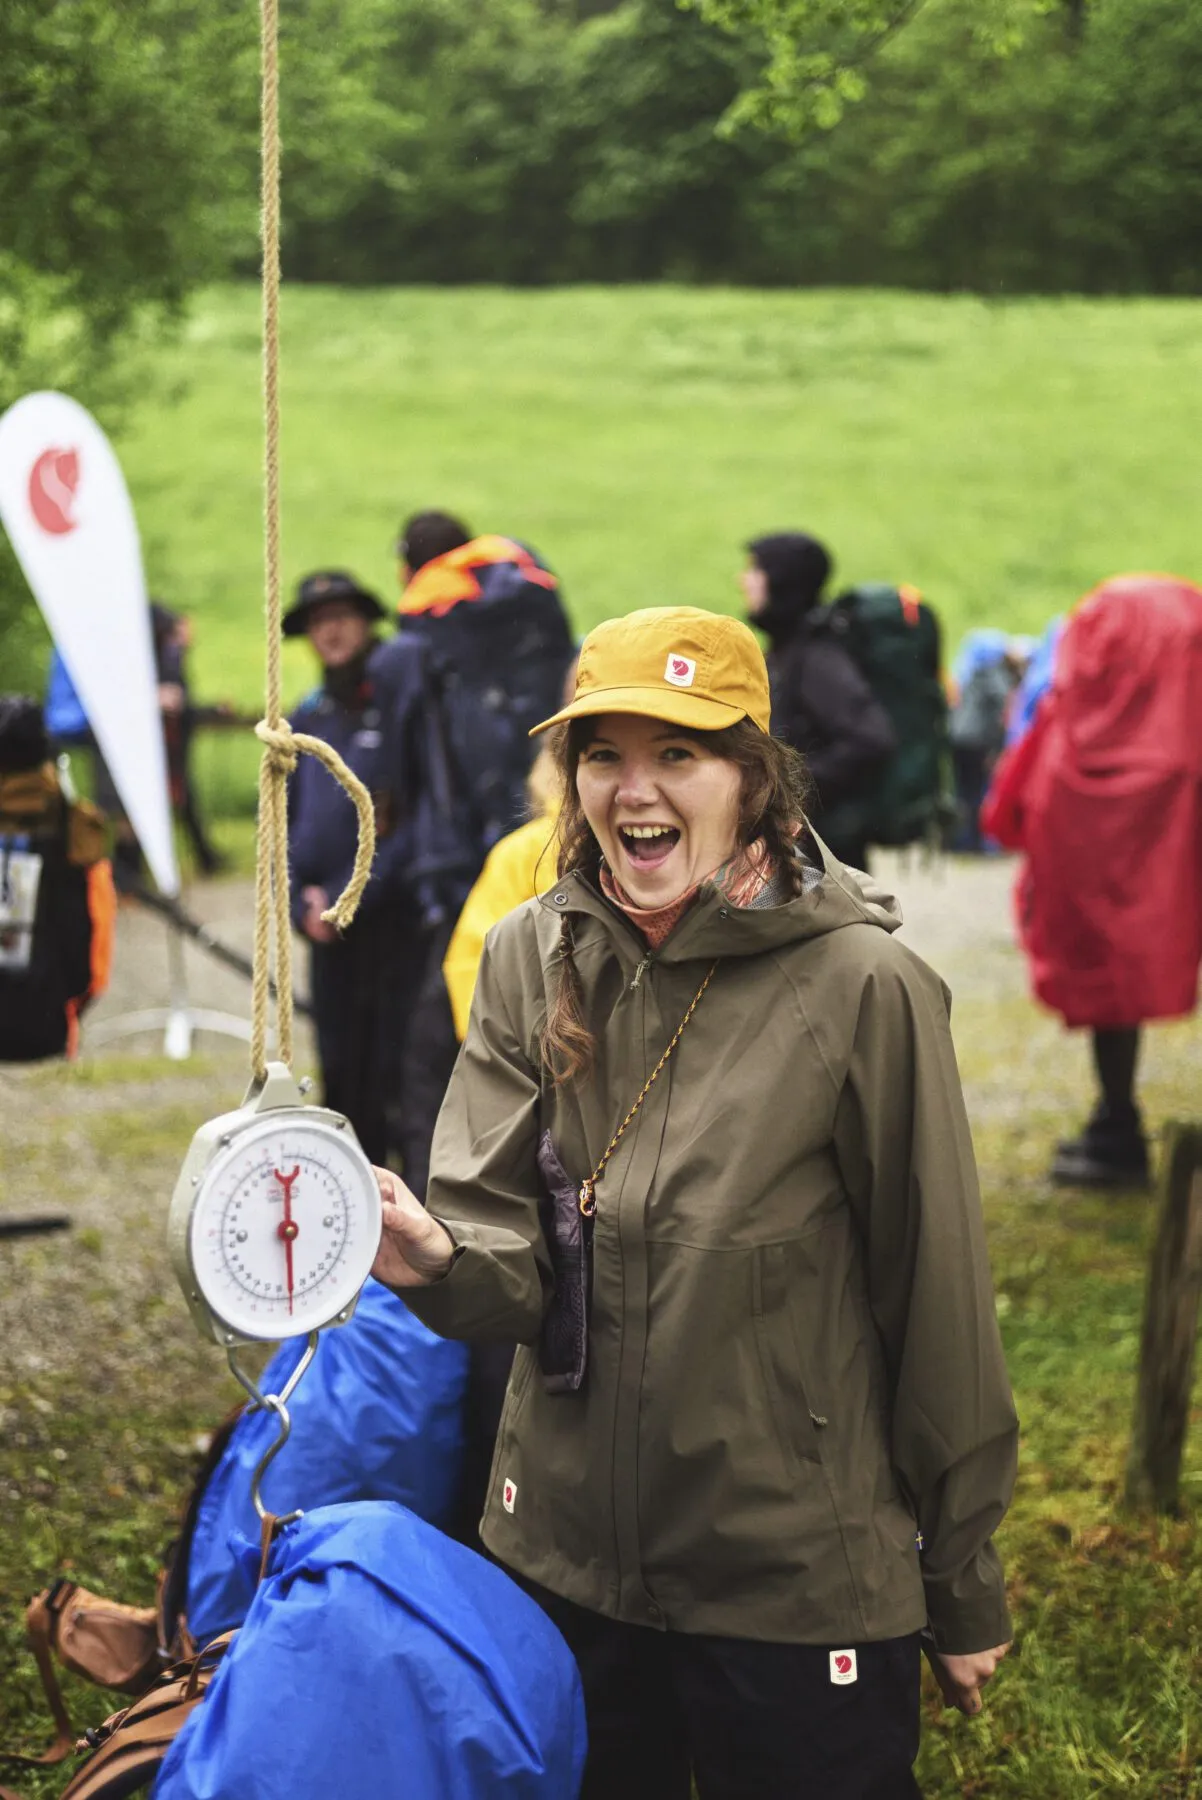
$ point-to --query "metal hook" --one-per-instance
(277, 1404)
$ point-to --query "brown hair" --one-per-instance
(775, 789)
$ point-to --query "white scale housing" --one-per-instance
(275, 1220)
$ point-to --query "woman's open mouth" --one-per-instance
(648, 846)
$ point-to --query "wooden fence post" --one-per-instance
(1170, 1330)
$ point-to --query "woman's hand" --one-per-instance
(414, 1248)
(962, 1677)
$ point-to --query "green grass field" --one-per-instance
(1002, 456)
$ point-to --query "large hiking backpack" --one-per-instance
(893, 637)
(378, 1416)
(379, 1657)
(491, 616)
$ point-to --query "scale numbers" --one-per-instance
(283, 1225)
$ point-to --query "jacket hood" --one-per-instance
(714, 928)
(797, 567)
(488, 568)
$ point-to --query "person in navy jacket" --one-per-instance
(362, 980)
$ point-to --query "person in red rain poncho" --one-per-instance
(1104, 796)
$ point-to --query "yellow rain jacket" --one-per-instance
(518, 868)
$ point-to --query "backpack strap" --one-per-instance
(175, 1642)
(40, 1617)
(131, 1744)
(173, 1581)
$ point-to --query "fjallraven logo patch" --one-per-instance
(509, 1495)
(843, 1667)
(680, 670)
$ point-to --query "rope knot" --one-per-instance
(279, 746)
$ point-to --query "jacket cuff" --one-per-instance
(472, 1299)
(961, 1627)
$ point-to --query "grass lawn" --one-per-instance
(1004, 456)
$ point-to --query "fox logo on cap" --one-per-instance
(679, 670)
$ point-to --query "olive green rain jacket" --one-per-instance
(796, 1424)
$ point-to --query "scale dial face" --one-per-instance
(284, 1227)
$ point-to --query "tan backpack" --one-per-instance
(128, 1748)
(146, 1651)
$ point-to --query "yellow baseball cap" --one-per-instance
(693, 668)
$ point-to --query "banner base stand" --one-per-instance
(177, 1023)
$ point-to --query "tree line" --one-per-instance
(988, 145)
(994, 145)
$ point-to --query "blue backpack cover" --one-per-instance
(1041, 671)
(63, 710)
(378, 1659)
(378, 1416)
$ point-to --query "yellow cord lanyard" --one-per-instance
(588, 1189)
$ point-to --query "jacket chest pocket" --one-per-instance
(798, 1426)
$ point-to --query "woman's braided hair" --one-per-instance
(775, 790)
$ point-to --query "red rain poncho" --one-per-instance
(1104, 796)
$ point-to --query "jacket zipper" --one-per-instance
(640, 971)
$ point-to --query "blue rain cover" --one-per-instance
(377, 1416)
(63, 709)
(378, 1660)
(1040, 673)
(981, 648)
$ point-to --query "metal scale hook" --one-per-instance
(277, 1404)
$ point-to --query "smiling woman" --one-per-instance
(758, 1434)
(663, 807)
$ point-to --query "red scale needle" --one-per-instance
(287, 1228)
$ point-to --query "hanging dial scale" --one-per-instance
(275, 1219)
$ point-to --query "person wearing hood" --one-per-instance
(1102, 794)
(821, 703)
(704, 1155)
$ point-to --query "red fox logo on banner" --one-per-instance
(52, 484)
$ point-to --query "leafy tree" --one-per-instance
(114, 197)
(1133, 165)
(815, 52)
(129, 149)
(818, 54)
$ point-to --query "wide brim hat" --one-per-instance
(316, 590)
(700, 670)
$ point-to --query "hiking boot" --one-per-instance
(1110, 1153)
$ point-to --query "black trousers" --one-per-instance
(744, 1720)
(428, 1057)
(363, 989)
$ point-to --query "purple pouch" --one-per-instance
(563, 1342)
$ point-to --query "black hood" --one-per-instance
(23, 741)
(797, 567)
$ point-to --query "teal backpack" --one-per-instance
(893, 637)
